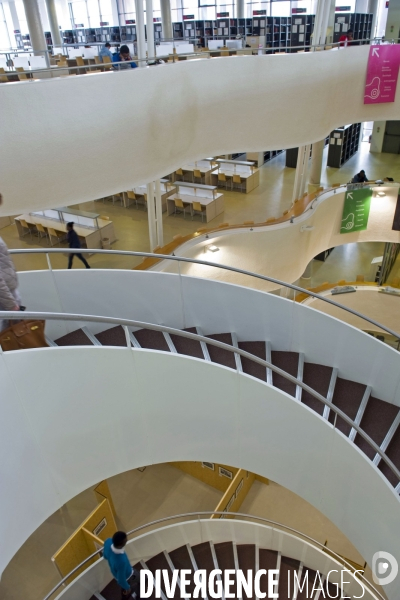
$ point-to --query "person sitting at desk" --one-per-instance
(347, 38)
(105, 51)
(360, 178)
(123, 56)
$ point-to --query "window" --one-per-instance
(5, 41)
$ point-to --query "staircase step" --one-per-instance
(247, 560)
(376, 422)
(112, 337)
(111, 592)
(75, 338)
(181, 560)
(267, 560)
(152, 340)
(203, 556)
(226, 560)
(220, 356)
(160, 562)
(289, 566)
(186, 346)
(305, 594)
(249, 366)
(289, 362)
(347, 397)
(318, 377)
(392, 452)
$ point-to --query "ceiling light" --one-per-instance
(212, 248)
(381, 194)
(307, 228)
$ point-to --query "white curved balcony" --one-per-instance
(78, 145)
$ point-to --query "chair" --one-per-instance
(59, 235)
(179, 173)
(41, 230)
(3, 76)
(80, 63)
(222, 180)
(360, 278)
(224, 51)
(21, 73)
(198, 209)
(181, 207)
(29, 227)
(197, 175)
(107, 62)
(131, 196)
(142, 199)
(97, 60)
(237, 183)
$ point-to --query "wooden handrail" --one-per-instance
(294, 211)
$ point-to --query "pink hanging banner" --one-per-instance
(382, 73)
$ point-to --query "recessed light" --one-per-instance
(213, 248)
(381, 194)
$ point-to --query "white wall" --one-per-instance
(60, 422)
(283, 251)
(378, 133)
(215, 307)
(79, 146)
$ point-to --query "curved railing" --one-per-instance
(125, 323)
(259, 520)
(180, 259)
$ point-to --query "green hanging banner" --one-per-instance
(356, 210)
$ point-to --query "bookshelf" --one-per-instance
(360, 23)
(343, 144)
(128, 33)
(302, 28)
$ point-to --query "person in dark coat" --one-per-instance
(73, 241)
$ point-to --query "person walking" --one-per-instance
(73, 241)
(119, 564)
(10, 298)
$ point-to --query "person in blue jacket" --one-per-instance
(118, 562)
(105, 51)
(123, 56)
(73, 241)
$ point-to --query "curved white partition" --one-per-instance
(216, 307)
(283, 251)
(79, 144)
(61, 420)
(195, 532)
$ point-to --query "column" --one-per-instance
(53, 21)
(304, 173)
(140, 34)
(151, 52)
(240, 9)
(316, 165)
(14, 15)
(35, 26)
(151, 213)
(166, 19)
(160, 234)
(393, 21)
(373, 8)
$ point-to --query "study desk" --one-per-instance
(166, 190)
(245, 169)
(90, 236)
(207, 195)
(206, 168)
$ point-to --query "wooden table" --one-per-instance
(214, 206)
(205, 167)
(166, 190)
(91, 238)
(245, 169)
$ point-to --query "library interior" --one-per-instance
(223, 383)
